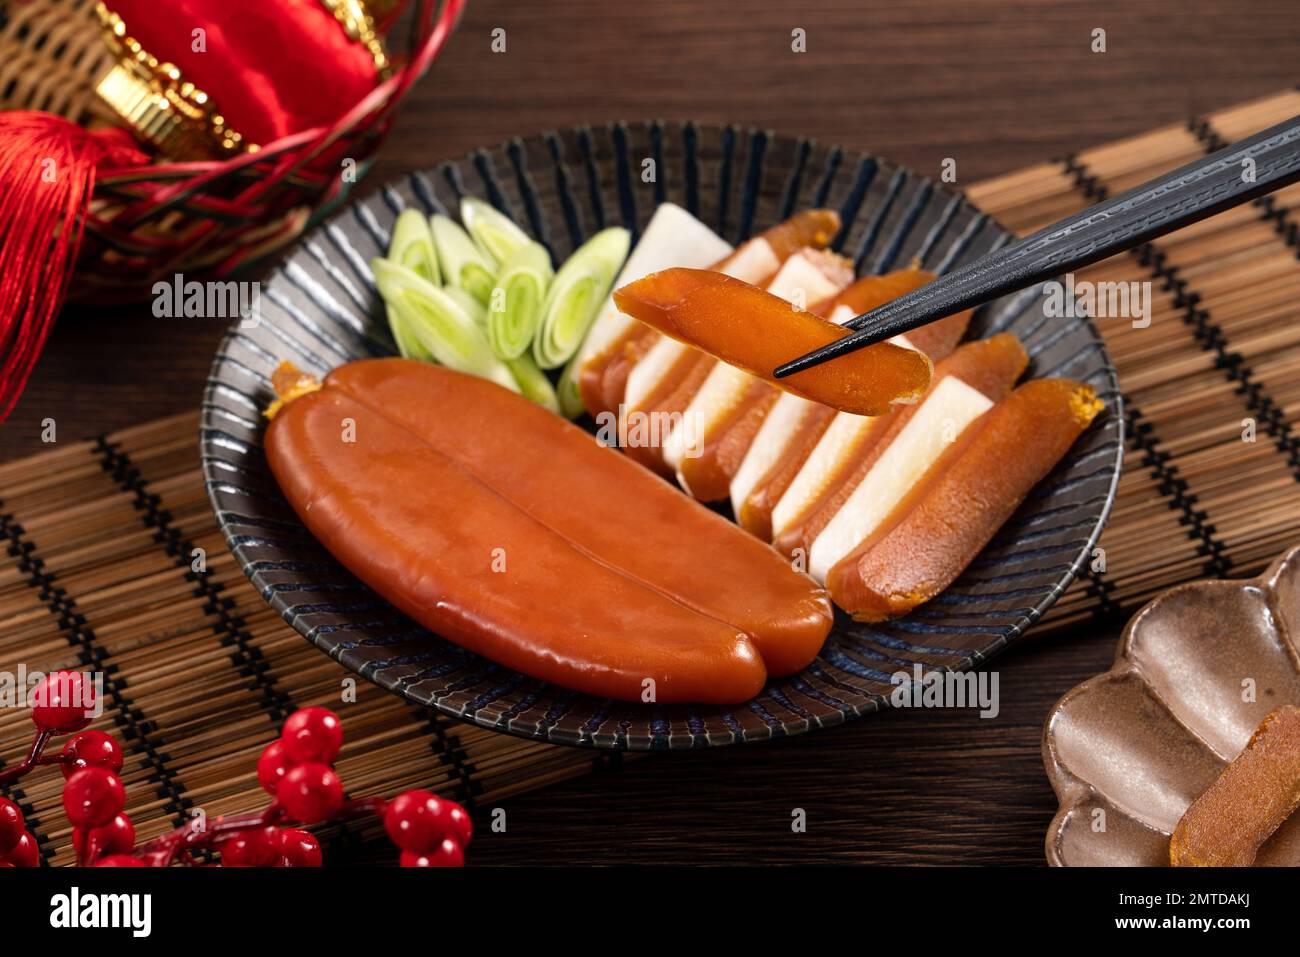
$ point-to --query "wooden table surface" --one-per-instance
(995, 86)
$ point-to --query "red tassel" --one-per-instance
(47, 175)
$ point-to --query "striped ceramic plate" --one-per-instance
(320, 310)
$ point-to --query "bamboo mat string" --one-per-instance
(101, 537)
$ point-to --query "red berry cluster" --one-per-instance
(296, 770)
(93, 795)
(430, 831)
(17, 846)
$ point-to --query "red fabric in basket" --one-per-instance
(271, 67)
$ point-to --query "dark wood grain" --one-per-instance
(995, 86)
(914, 787)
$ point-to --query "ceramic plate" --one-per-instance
(1197, 671)
(321, 309)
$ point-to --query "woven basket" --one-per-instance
(201, 218)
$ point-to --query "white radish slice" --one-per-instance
(940, 420)
(769, 446)
(840, 438)
(721, 389)
(754, 261)
(772, 442)
(842, 314)
(650, 370)
(673, 237)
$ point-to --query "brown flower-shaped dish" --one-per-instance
(1197, 670)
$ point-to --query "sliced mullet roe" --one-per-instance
(1259, 790)
(756, 260)
(755, 513)
(667, 401)
(707, 475)
(961, 502)
(755, 331)
(604, 378)
(731, 406)
(797, 426)
(672, 237)
(990, 366)
(812, 227)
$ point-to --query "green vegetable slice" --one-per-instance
(473, 308)
(439, 323)
(533, 383)
(463, 263)
(412, 246)
(566, 391)
(495, 232)
(515, 306)
(408, 346)
(576, 295)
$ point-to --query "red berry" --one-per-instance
(417, 821)
(64, 701)
(446, 854)
(272, 766)
(298, 848)
(256, 847)
(93, 797)
(462, 826)
(311, 793)
(115, 837)
(313, 734)
(91, 749)
(12, 825)
(24, 853)
(120, 860)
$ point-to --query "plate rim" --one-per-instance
(620, 742)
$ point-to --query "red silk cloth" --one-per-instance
(270, 67)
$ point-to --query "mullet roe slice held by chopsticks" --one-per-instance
(657, 377)
(757, 260)
(964, 498)
(753, 330)
(730, 406)
(610, 576)
(673, 237)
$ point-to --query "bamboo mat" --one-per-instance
(102, 535)
(1219, 359)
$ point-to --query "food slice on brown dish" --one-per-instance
(1260, 789)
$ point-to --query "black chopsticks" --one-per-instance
(1249, 168)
